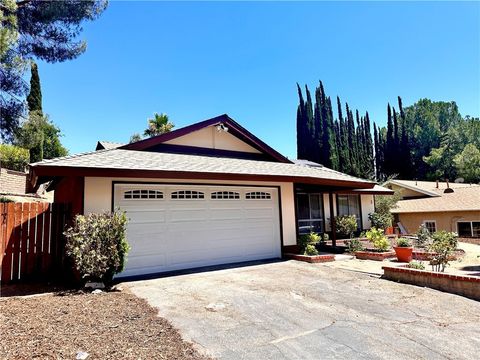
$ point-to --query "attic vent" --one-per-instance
(448, 191)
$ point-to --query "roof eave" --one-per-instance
(40, 174)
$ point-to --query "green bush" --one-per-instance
(346, 224)
(354, 245)
(97, 245)
(14, 157)
(443, 245)
(4, 199)
(416, 265)
(307, 243)
(403, 242)
(378, 239)
(379, 220)
(423, 236)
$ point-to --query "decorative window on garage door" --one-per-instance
(187, 194)
(256, 195)
(143, 194)
(225, 195)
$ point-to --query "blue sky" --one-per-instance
(194, 61)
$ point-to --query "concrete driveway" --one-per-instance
(294, 310)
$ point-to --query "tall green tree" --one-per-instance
(34, 98)
(46, 30)
(467, 163)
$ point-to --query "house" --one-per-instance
(209, 193)
(438, 205)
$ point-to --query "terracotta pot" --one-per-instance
(404, 254)
(389, 230)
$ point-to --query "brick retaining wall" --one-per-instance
(468, 286)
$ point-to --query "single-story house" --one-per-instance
(438, 205)
(209, 193)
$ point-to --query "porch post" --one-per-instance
(332, 219)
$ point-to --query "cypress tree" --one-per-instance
(389, 145)
(310, 131)
(369, 148)
(301, 126)
(34, 98)
(34, 101)
(318, 153)
(332, 138)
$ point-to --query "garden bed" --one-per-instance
(424, 255)
(468, 286)
(374, 255)
(311, 258)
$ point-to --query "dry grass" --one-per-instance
(109, 325)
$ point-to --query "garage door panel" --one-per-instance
(172, 233)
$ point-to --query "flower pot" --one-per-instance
(404, 254)
(389, 230)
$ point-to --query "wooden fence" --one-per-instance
(31, 240)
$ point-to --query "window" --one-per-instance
(225, 195)
(350, 205)
(143, 194)
(468, 228)
(255, 195)
(187, 194)
(310, 213)
(431, 225)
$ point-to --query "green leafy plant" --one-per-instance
(382, 217)
(97, 245)
(443, 245)
(354, 245)
(4, 199)
(403, 242)
(378, 239)
(416, 265)
(423, 236)
(346, 224)
(307, 243)
(380, 221)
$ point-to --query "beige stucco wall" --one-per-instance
(98, 198)
(445, 220)
(210, 138)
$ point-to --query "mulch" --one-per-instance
(108, 325)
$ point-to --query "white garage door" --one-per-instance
(174, 227)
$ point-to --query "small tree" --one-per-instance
(423, 236)
(97, 245)
(13, 157)
(378, 239)
(443, 245)
(382, 217)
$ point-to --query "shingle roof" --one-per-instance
(101, 145)
(428, 187)
(156, 161)
(464, 198)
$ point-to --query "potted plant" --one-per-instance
(403, 250)
(381, 246)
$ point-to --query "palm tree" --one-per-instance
(160, 124)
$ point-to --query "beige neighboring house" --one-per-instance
(438, 205)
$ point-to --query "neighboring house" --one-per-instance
(209, 193)
(438, 205)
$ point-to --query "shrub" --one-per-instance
(14, 157)
(4, 199)
(307, 243)
(378, 239)
(379, 220)
(443, 244)
(346, 224)
(354, 245)
(97, 245)
(403, 242)
(416, 265)
(423, 236)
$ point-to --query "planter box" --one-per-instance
(374, 255)
(310, 259)
(424, 255)
(468, 286)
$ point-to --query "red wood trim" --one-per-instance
(45, 173)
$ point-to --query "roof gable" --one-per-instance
(232, 138)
